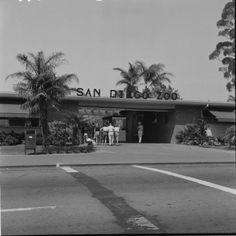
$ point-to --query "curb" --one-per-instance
(117, 164)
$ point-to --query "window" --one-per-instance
(4, 122)
(34, 122)
(17, 122)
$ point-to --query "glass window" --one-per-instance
(4, 122)
(17, 121)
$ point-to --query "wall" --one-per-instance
(184, 115)
(17, 129)
(188, 115)
(218, 129)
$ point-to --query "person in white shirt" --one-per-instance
(140, 132)
(209, 135)
(116, 133)
(104, 134)
(111, 134)
(88, 140)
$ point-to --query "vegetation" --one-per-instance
(193, 134)
(130, 79)
(61, 137)
(154, 75)
(229, 136)
(154, 78)
(76, 123)
(60, 133)
(11, 138)
(225, 51)
(41, 87)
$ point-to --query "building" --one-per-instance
(162, 119)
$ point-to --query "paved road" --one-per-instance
(119, 199)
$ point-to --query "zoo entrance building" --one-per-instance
(162, 119)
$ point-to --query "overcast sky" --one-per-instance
(97, 36)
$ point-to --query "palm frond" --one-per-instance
(24, 60)
(123, 73)
(122, 82)
(55, 60)
(20, 75)
(66, 78)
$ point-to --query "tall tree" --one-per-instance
(41, 87)
(130, 79)
(154, 76)
(225, 51)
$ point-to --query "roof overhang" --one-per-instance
(127, 103)
(143, 104)
(223, 116)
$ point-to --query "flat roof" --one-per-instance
(127, 103)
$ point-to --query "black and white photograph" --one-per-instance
(117, 117)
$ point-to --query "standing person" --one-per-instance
(116, 133)
(111, 134)
(209, 135)
(96, 133)
(140, 132)
(93, 130)
(104, 134)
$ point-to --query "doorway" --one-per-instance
(155, 126)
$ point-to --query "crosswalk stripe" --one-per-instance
(202, 182)
(69, 169)
(27, 208)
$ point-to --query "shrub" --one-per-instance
(39, 139)
(60, 133)
(84, 148)
(229, 136)
(193, 134)
(11, 138)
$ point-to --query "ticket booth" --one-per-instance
(30, 139)
(121, 122)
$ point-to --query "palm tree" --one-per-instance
(41, 88)
(77, 123)
(154, 76)
(130, 79)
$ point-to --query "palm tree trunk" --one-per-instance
(44, 126)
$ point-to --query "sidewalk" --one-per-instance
(123, 154)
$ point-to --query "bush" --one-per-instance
(11, 138)
(193, 134)
(39, 139)
(60, 133)
(229, 136)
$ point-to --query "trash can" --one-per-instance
(30, 139)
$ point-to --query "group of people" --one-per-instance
(108, 134)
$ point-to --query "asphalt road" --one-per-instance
(119, 199)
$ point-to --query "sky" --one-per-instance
(97, 36)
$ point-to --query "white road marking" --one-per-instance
(69, 169)
(27, 209)
(206, 183)
(142, 222)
